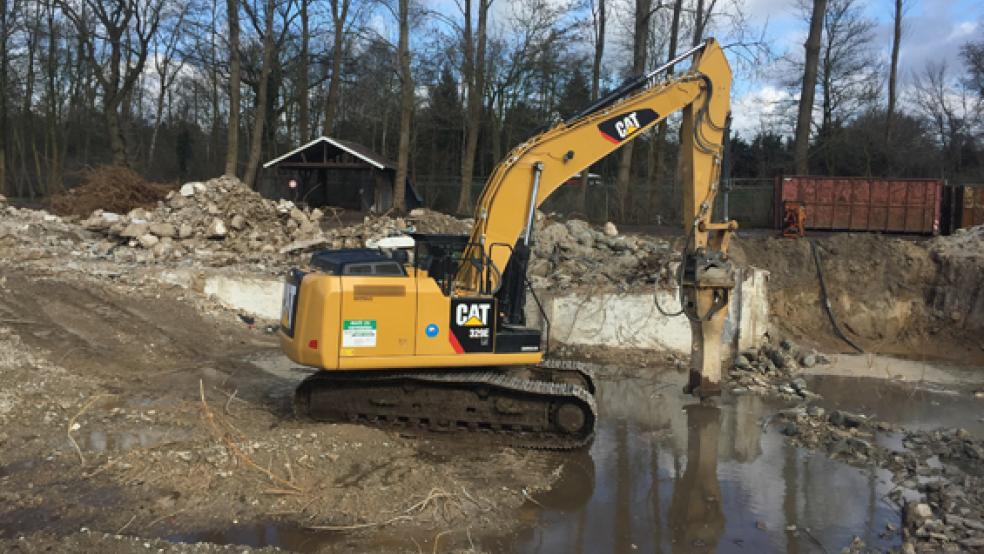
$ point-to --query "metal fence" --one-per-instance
(750, 201)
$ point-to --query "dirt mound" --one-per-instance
(110, 188)
(892, 295)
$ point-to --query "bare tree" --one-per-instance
(260, 115)
(660, 154)
(900, 6)
(340, 21)
(598, 20)
(406, 108)
(235, 83)
(804, 118)
(848, 71)
(5, 25)
(303, 70)
(124, 28)
(474, 43)
(167, 67)
(640, 36)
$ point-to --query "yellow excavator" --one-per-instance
(437, 337)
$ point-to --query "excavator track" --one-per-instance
(533, 408)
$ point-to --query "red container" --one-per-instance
(971, 206)
(862, 204)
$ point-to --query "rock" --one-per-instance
(418, 212)
(189, 189)
(185, 231)
(135, 230)
(299, 245)
(815, 411)
(298, 216)
(846, 419)
(162, 249)
(148, 240)
(799, 384)
(922, 511)
(808, 360)
(742, 362)
(581, 231)
(216, 229)
(610, 229)
(238, 222)
(163, 230)
(790, 429)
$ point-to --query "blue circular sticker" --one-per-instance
(432, 330)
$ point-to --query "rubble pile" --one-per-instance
(944, 468)
(35, 234)
(223, 220)
(573, 253)
(772, 369)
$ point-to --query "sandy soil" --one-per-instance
(892, 295)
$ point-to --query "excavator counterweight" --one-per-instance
(438, 337)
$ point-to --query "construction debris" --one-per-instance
(773, 370)
(945, 467)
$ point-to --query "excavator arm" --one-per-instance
(498, 248)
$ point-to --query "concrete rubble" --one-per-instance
(938, 474)
(221, 222)
(774, 370)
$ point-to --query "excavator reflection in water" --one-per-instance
(440, 340)
(696, 516)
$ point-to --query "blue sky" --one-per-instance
(933, 30)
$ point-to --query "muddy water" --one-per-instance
(674, 476)
(666, 474)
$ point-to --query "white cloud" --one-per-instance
(758, 110)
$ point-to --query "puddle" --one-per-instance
(674, 476)
(906, 404)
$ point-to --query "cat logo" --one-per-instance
(628, 125)
(623, 126)
(472, 315)
(472, 325)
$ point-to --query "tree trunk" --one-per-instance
(475, 61)
(639, 39)
(406, 109)
(655, 206)
(339, 14)
(303, 105)
(260, 113)
(599, 52)
(117, 143)
(4, 32)
(893, 72)
(804, 118)
(235, 76)
(699, 20)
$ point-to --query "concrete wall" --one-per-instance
(631, 320)
(608, 319)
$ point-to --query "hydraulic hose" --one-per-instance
(825, 300)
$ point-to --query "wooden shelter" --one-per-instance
(334, 172)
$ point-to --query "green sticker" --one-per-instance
(359, 333)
